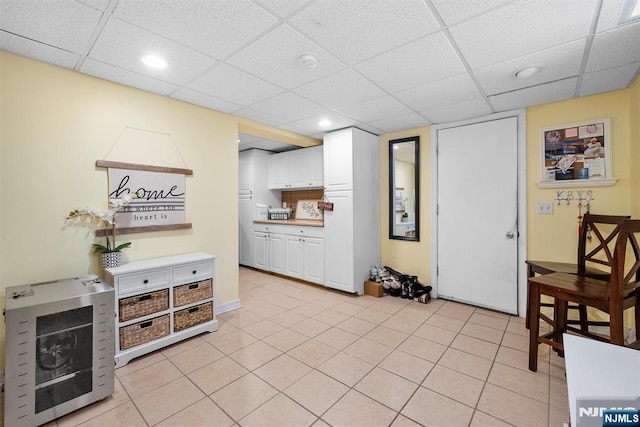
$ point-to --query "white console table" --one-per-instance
(161, 301)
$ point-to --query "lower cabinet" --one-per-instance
(162, 301)
(268, 244)
(305, 253)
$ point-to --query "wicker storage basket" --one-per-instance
(189, 317)
(143, 305)
(140, 333)
(192, 292)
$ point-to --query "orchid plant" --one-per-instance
(104, 219)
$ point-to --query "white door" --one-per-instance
(338, 242)
(316, 173)
(299, 168)
(477, 204)
(261, 251)
(276, 253)
(293, 256)
(245, 230)
(314, 259)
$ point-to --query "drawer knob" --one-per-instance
(145, 281)
(194, 272)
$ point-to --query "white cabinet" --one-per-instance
(253, 166)
(297, 169)
(305, 253)
(352, 229)
(269, 247)
(161, 301)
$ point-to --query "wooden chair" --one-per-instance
(621, 292)
(599, 226)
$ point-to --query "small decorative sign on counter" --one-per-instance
(308, 209)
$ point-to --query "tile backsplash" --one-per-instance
(291, 197)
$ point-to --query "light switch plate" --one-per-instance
(545, 208)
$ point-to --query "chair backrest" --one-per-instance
(626, 268)
(599, 226)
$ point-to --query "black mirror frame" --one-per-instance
(415, 238)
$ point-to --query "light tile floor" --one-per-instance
(298, 355)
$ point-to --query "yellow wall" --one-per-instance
(634, 114)
(408, 257)
(55, 124)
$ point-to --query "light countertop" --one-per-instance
(300, 222)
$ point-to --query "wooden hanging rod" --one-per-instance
(135, 166)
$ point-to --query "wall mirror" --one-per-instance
(404, 190)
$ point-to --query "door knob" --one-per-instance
(510, 235)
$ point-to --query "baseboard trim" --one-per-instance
(228, 306)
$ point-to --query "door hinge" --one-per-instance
(437, 270)
(437, 209)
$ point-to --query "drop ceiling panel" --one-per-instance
(215, 28)
(453, 12)
(39, 51)
(445, 92)
(259, 116)
(96, 4)
(406, 121)
(375, 109)
(227, 82)
(610, 79)
(309, 126)
(289, 107)
(535, 95)
(198, 98)
(610, 15)
(457, 112)
(282, 8)
(359, 29)
(555, 64)
(124, 45)
(64, 24)
(615, 48)
(413, 64)
(521, 28)
(274, 58)
(125, 77)
(347, 87)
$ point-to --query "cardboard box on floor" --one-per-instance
(373, 288)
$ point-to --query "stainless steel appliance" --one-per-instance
(59, 350)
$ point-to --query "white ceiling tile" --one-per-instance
(289, 107)
(454, 11)
(355, 30)
(413, 64)
(96, 4)
(227, 82)
(347, 87)
(615, 48)
(406, 121)
(274, 58)
(216, 28)
(39, 51)
(610, 14)
(63, 24)
(260, 116)
(555, 64)
(535, 95)
(608, 80)
(203, 100)
(441, 93)
(375, 109)
(282, 8)
(310, 124)
(125, 77)
(124, 45)
(368, 128)
(521, 28)
(462, 111)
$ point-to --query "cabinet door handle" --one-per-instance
(145, 297)
(194, 272)
(145, 281)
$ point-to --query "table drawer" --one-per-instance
(143, 305)
(192, 292)
(142, 281)
(193, 316)
(192, 272)
(143, 332)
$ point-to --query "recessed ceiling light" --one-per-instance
(324, 123)
(527, 72)
(154, 61)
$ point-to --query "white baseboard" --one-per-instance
(228, 306)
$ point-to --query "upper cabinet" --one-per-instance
(338, 166)
(296, 169)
